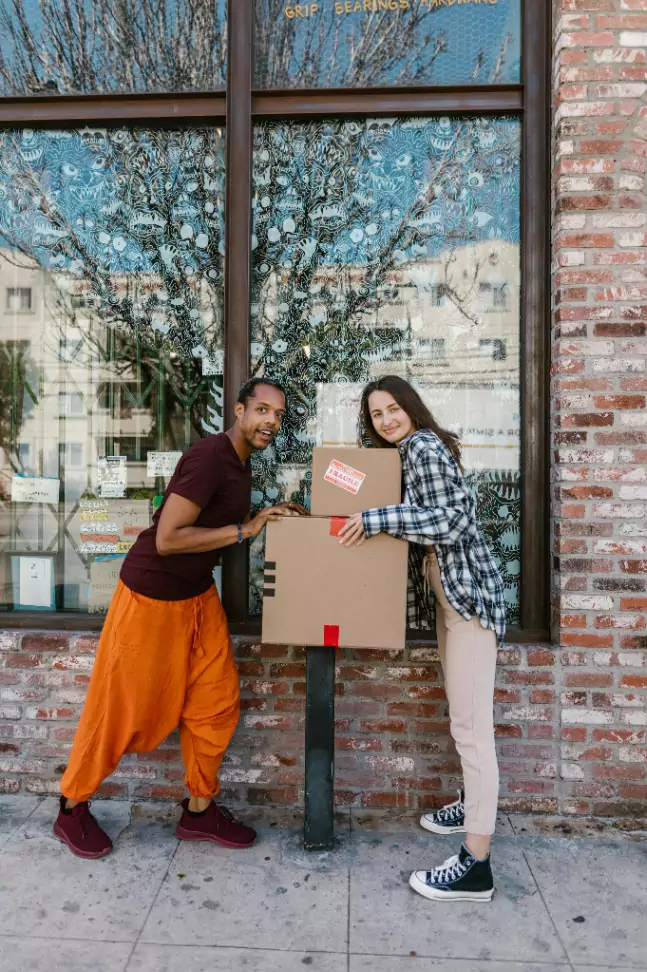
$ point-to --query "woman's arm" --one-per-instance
(446, 520)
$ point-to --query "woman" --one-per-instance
(453, 572)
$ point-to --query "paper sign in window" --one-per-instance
(162, 463)
(112, 477)
(35, 582)
(31, 489)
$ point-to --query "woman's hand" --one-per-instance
(352, 533)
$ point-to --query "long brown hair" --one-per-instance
(409, 401)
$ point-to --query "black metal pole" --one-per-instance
(320, 748)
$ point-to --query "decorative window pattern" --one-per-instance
(50, 47)
(371, 242)
(118, 234)
(374, 43)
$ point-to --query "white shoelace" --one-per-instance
(450, 871)
(452, 811)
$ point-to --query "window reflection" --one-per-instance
(373, 43)
(108, 46)
(391, 246)
(116, 235)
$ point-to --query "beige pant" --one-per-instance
(468, 655)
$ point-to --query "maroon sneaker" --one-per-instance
(216, 824)
(81, 832)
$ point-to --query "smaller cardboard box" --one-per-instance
(318, 593)
(347, 481)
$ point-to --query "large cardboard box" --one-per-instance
(317, 592)
(347, 481)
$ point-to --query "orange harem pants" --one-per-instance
(159, 664)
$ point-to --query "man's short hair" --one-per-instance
(249, 389)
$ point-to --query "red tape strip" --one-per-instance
(336, 524)
(331, 636)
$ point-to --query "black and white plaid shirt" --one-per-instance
(439, 510)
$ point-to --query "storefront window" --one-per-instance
(373, 43)
(111, 344)
(50, 47)
(391, 246)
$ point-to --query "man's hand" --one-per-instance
(295, 507)
(352, 533)
(258, 523)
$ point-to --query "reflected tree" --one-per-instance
(380, 42)
(129, 227)
(94, 46)
(343, 212)
(348, 216)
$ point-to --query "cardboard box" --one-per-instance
(347, 481)
(317, 592)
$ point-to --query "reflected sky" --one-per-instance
(363, 43)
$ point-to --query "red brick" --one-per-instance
(586, 640)
(385, 801)
(541, 731)
(627, 771)
(412, 709)
(588, 679)
(508, 732)
(541, 658)
(620, 736)
(633, 681)
(360, 745)
(531, 786)
(23, 660)
(522, 677)
(45, 642)
(542, 697)
(573, 733)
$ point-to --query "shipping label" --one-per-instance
(344, 476)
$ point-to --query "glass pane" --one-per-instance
(111, 344)
(373, 43)
(109, 46)
(391, 246)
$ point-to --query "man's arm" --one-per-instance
(176, 533)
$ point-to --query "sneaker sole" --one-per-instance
(437, 829)
(86, 855)
(435, 895)
(191, 835)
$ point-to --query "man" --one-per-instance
(165, 656)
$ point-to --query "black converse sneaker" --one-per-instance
(449, 820)
(460, 878)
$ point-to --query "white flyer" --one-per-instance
(109, 528)
(162, 463)
(35, 582)
(214, 363)
(112, 477)
(30, 489)
(104, 576)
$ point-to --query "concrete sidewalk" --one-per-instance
(157, 905)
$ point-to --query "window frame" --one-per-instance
(239, 106)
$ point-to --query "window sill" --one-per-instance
(250, 630)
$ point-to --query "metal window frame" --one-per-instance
(239, 106)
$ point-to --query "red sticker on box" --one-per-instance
(344, 476)
(331, 636)
(337, 523)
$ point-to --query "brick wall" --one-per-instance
(598, 401)
(571, 719)
(393, 742)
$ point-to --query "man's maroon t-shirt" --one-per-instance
(211, 475)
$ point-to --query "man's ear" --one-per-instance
(239, 409)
